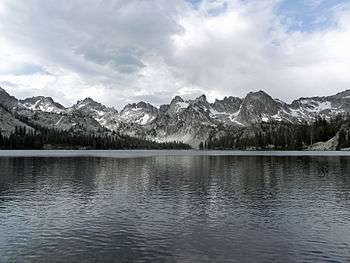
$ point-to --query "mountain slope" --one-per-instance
(189, 121)
(141, 113)
(7, 101)
(44, 104)
(8, 122)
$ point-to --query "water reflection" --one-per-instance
(193, 208)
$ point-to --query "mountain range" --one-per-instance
(188, 121)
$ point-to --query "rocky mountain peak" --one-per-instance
(201, 101)
(176, 106)
(140, 106)
(184, 120)
(87, 101)
(257, 95)
(141, 113)
(93, 108)
(257, 107)
(227, 104)
(41, 103)
(202, 98)
(176, 99)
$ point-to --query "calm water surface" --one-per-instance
(175, 209)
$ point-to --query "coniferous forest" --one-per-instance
(261, 136)
(283, 136)
(45, 138)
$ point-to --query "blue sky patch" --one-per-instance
(298, 15)
(194, 3)
(309, 15)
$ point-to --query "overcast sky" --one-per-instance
(121, 51)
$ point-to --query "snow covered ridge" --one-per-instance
(190, 121)
(40, 103)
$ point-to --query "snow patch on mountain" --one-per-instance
(44, 104)
(188, 121)
(139, 113)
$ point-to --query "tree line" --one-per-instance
(282, 135)
(47, 138)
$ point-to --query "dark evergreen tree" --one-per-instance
(282, 135)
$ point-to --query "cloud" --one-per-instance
(248, 47)
(99, 45)
(121, 51)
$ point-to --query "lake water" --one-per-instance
(181, 207)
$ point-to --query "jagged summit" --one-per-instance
(189, 121)
(41, 103)
(138, 105)
(90, 104)
(86, 102)
(101, 113)
(227, 104)
(256, 107)
(176, 99)
(141, 113)
(201, 98)
(201, 101)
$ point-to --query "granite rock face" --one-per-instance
(189, 121)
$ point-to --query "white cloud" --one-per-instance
(120, 51)
(248, 48)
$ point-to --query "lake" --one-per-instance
(174, 206)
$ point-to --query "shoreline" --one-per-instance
(164, 153)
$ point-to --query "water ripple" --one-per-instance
(175, 209)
